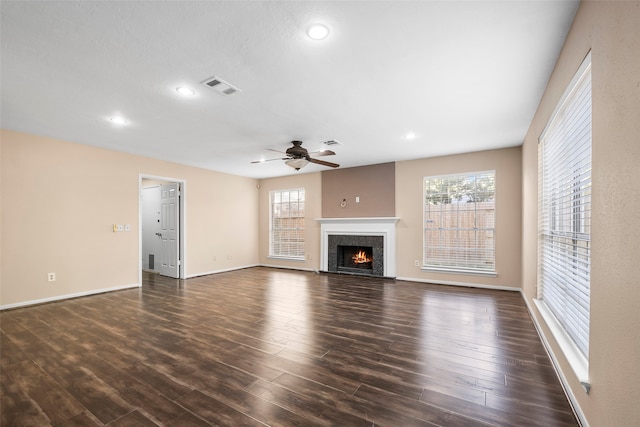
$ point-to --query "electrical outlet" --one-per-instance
(51, 277)
(127, 227)
(417, 263)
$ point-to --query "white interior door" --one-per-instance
(150, 228)
(169, 234)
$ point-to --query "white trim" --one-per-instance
(68, 296)
(284, 267)
(579, 364)
(575, 406)
(462, 284)
(368, 226)
(369, 220)
(223, 270)
(183, 222)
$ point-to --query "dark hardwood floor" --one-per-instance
(276, 347)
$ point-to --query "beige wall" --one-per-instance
(312, 184)
(610, 30)
(374, 185)
(60, 199)
(409, 180)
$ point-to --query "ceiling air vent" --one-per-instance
(332, 142)
(220, 86)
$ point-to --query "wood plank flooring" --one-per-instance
(274, 347)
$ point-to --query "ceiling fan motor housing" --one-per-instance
(297, 151)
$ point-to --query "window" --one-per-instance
(564, 228)
(286, 234)
(459, 223)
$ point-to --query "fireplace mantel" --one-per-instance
(370, 226)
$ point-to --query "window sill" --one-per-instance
(579, 364)
(287, 258)
(464, 272)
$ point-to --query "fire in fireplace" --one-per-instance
(356, 259)
(362, 257)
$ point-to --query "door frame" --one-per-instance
(182, 211)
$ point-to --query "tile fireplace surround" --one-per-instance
(381, 226)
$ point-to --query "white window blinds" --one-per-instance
(565, 211)
(287, 224)
(459, 222)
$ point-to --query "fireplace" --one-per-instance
(344, 238)
(355, 259)
(356, 254)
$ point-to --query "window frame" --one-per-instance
(289, 254)
(566, 312)
(460, 269)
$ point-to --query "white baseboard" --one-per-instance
(223, 270)
(582, 420)
(289, 268)
(464, 284)
(67, 296)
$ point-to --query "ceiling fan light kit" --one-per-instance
(297, 163)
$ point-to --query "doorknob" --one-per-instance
(159, 234)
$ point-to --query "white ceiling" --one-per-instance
(464, 76)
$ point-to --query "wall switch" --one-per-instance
(115, 228)
(417, 263)
(357, 199)
(51, 277)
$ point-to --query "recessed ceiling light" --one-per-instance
(118, 120)
(186, 91)
(318, 31)
(410, 135)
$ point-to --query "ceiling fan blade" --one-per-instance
(270, 160)
(323, 153)
(323, 163)
(277, 151)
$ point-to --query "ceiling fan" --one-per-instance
(298, 156)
